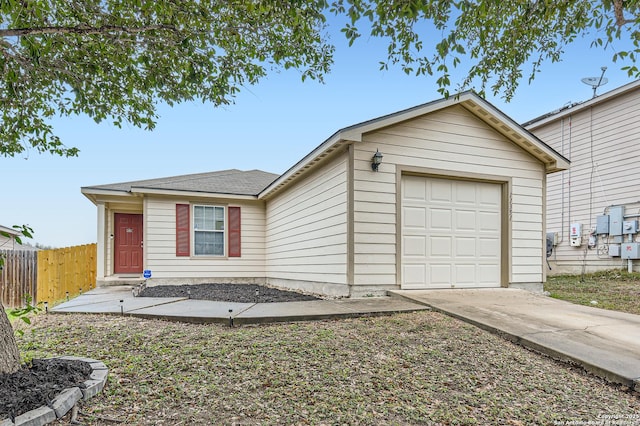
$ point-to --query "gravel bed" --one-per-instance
(239, 293)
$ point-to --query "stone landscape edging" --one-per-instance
(66, 399)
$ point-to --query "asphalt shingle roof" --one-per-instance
(236, 182)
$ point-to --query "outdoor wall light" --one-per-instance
(376, 160)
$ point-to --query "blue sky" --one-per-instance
(271, 126)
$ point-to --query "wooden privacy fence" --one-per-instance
(47, 275)
(18, 277)
(69, 269)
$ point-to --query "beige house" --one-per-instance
(456, 201)
(592, 209)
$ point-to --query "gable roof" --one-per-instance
(226, 182)
(469, 100)
(580, 106)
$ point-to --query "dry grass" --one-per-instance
(417, 368)
(615, 290)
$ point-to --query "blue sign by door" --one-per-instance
(147, 273)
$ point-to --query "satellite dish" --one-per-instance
(596, 82)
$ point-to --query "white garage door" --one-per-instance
(450, 233)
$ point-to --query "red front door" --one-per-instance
(128, 243)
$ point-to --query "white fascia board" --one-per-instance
(94, 193)
(9, 231)
(182, 193)
(512, 130)
(575, 108)
(327, 146)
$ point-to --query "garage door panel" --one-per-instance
(415, 217)
(414, 188)
(488, 275)
(439, 275)
(489, 197)
(465, 275)
(440, 219)
(465, 247)
(465, 220)
(414, 275)
(489, 222)
(439, 191)
(440, 246)
(459, 245)
(489, 248)
(415, 245)
(465, 193)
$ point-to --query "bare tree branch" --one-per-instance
(618, 10)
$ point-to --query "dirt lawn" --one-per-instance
(403, 369)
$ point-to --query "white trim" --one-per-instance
(574, 108)
(472, 102)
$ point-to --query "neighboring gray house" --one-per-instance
(456, 201)
(600, 137)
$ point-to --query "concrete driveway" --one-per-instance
(606, 343)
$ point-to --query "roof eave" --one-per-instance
(9, 231)
(327, 147)
(503, 124)
(178, 192)
(572, 109)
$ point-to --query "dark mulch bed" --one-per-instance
(240, 293)
(37, 385)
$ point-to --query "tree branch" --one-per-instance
(82, 30)
(618, 10)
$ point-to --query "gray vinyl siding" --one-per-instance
(306, 230)
(451, 141)
(601, 142)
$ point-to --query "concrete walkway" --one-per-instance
(606, 343)
(107, 300)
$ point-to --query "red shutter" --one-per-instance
(234, 231)
(183, 231)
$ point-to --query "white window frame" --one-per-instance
(222, 231)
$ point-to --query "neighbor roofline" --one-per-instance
(579, 106)
(10, 231)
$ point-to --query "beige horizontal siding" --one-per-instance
(601, 143)
(160, 243)
(306, 228)
(452, 141)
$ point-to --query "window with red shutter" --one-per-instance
(183, 231)
(234, 231)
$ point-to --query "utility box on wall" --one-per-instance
(575, 234)
(630, 227)
(616, 219)
(614, 250)
(630, 251)
(602, 224)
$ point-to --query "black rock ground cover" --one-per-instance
(37, 385)
(240, 293)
